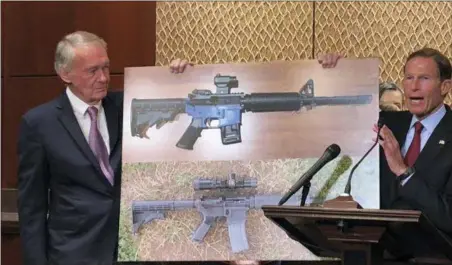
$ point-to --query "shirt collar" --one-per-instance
(431, 121)
(79, 105)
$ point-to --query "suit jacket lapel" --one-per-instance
(401, 130)
(69, 121)
(399, 125)
(439, 138)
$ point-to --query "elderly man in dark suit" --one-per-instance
(70, 162)
(416, 148)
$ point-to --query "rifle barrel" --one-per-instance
(339, 100)
(268, 102)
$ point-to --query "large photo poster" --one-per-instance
(204, 150)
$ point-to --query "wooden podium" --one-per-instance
(341, 228)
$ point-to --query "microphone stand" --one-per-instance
(345, 200)
(330, 153)
(305, 192)
(348, 187)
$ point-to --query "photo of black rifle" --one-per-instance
(223, 109)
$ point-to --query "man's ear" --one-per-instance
(65, 76)
(446, 87)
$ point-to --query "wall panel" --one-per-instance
(219, 32)
(223, 32)
(128, 28)
(11, 252)
(388, 30)
(32, 30)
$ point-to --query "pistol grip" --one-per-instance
(188, 139)
(203, 229)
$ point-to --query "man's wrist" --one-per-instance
(409, 171)
(401, 170)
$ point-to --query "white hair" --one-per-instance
(64, 53)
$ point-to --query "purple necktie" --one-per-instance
(98, 146)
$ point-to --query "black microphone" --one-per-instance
(348, 187)
(330, 153)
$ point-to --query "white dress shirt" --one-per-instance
(80, 111)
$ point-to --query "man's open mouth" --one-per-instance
(416, 100)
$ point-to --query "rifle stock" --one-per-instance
(147, 217)
(146, 113)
